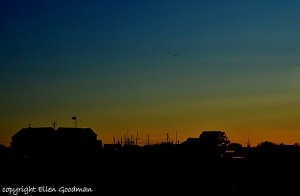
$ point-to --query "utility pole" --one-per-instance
(167, 137)
(248, 142)
(136, 139)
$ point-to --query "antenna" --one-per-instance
(54, 123)
(125, 139)
(131, 139)
(136, 139)
(248, 142)
(127, 136)
(167, 137)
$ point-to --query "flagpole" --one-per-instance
(75, 118)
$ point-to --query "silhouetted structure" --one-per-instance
(214, 139)
(4, 152)
(45, 142)
(209, 145)
(33, 142)
(210, 157)
(214, 143)
(77, 142)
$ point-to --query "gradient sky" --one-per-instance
(111, 63)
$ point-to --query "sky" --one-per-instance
(157, 70)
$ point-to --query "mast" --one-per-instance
(75, 119)
(136, 139)
(248, 142)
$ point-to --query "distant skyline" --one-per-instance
(113, 64)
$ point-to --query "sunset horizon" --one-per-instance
(157, 68)
(152, 136)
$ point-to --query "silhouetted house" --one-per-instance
(191, 142)
(235, 151)
(77, 142)
(190, 147)
(213, 143)
(214, 139)
(4, 152)
(33, 142)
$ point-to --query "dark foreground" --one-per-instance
(140, 177)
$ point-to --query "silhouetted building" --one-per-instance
(77, 142)
(213, 143)
(33, 142)
(190, 148)
(4, 152)
(191, 142)
(210, 144)
(214, 139)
